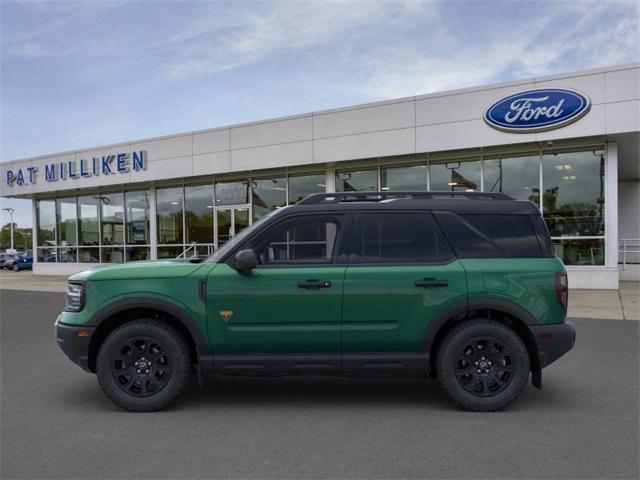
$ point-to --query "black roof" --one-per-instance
(458, 202)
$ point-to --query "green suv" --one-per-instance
(461, 286)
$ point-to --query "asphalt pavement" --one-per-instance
(56, 423)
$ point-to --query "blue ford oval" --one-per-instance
(537, 110)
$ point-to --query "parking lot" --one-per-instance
(56, 423)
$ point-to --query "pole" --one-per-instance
(10, 210)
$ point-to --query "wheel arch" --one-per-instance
(502, 311)
(126, 310)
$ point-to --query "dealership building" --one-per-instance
(569, 143)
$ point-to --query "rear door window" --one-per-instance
(398, 237)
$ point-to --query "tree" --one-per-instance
(21, 237)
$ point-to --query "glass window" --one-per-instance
(67, 221)
(573, 200)
(404, 178)
(580, 251)
(401, 237)
(198, 213)
(112, 255)
(47, 254)
(135, 254)
(359, 181)
(267, 195)
(169, 206)
(301, 186)
(88, 220)
(67, 254)
(169, 252)
(89, 255)
(232, 193)
(455, 176)
(46, 222)
(513, 234)
(308, 240)
(112, 218)
(467, 241)
(518, 177)
(137, 217)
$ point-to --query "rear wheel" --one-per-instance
(143, 365)
(483, 365)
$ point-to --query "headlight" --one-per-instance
(74, 297)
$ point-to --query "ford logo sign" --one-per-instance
(537, 110)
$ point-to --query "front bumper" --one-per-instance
(553, 341)
(74, 342)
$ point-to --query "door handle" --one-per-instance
(431, 282)
(314, 284)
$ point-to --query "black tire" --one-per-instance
(16, 268)
(143, 365)
(482, 365)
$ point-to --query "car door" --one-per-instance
(401, 274)
(291, 303)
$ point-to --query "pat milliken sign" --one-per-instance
(115, 164)
(537, 110)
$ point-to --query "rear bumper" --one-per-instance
(553, 341)
(74, 342)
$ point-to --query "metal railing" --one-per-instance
(629, 251)
(192, 250)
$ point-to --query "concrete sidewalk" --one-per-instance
(620, 304)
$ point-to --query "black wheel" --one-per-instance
(16, 268)
(143, 365)
(483, 365)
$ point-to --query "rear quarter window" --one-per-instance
(490, 236)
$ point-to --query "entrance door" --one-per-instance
(229, 222)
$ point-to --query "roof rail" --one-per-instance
(337, 197)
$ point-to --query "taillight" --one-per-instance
(562, 289)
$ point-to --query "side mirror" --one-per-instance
(245, 261)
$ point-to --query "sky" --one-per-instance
(79, 74)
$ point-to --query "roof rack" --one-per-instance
(338, 197)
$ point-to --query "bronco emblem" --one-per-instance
(226, 314)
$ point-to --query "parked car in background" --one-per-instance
(7, 260)
(23, 262)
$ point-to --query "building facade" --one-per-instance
(569, 143)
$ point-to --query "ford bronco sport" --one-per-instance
(462, 286)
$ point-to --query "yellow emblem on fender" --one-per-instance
(226, 315)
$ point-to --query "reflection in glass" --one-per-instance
(46, 218)
(240, 220)
(67, 222)
(88, 220)
(232, 193)
(137, 217)
(112, 255)
(267, 195)
(580, 252)
(573, 200)
(112, 218)
(169, 252)
(301, 186)
(224, 225)
(135, 254)
(47, 254)
(404, 178)
(198, 213)
(518, 177)
(67, 254)
(169, 206)
(357, 181)
(455, 176)
(89, 255)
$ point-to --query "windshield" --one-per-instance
(231, 244)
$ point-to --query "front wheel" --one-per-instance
(16, 268)
(483, 365)
(143, 365)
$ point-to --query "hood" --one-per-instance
(139, 270)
